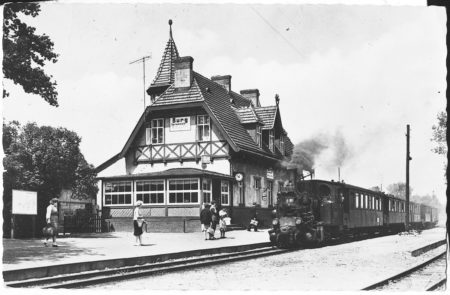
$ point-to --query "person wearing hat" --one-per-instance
(137, 216)
(52, 220)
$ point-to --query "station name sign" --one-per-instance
(180, 123)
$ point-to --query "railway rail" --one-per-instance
(422, 277)
(79, 280)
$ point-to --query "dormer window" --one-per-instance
(271, 139)
(203, 128)
(155, 134)
(258, 138)
(282, 144)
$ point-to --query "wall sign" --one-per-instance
(24, 202)
(180, 123)
(269, 173)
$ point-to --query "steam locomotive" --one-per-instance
(316, 211)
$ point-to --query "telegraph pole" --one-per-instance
(142, 59)
(408, 158)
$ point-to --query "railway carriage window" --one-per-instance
(373, 202)
(356, 200)
(389, 205)
(366, 201)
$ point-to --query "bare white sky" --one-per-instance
(363, 71)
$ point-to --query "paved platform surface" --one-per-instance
(27, 253)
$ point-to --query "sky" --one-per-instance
(362, 72)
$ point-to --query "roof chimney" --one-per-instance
(252, 95)
(183, 72)
(224, 81)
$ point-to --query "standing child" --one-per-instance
(222, 226)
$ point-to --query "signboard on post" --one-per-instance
(24, 202)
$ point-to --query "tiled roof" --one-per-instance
(239, 100)
(174, 172)
(166, 70)
(175, 96)
(247, 115)
(267, 115)
(218, 100)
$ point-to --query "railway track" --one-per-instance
(79, 280)
(422, 277)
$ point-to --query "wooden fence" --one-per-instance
(85, 224)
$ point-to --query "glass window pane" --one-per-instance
(194, 197)
(179, 198)
(172, 197)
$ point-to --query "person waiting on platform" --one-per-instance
(253, 224)
(214, 217)
(52, 222)
(138, 221)
(205, 220)
(222, 222)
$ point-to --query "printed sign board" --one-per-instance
(180, 123)
(24, 202)
(269, 174)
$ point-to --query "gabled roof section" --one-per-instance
(166, 70)
(267, 115)
(218, 100)
(174, 96)
(247, 115)
(239, 100)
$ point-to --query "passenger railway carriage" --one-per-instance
(317, 210)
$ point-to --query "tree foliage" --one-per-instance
(46, 160)
(440, 134)
(25, 53)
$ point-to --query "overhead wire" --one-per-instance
(277, 32)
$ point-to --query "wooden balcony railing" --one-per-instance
(181, 151)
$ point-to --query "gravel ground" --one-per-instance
(350, 266)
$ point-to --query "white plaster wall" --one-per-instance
(219, 166)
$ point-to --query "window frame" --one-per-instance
(205, 191)
(153, 129)
(282, 144)
(225, 194)
(202, 127)
(258, 135)
(271, 140)
(169, 191)
(136, 192)
(131, 193)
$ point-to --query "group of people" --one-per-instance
(210, 218)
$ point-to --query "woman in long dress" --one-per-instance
(52, 219)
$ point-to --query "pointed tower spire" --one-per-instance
(166, 71)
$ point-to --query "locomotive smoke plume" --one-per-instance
(307, 152)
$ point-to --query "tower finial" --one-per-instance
(277, 99)
(170, 24)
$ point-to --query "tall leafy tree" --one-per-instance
(46, 160)
(25, 53)
(440, 133)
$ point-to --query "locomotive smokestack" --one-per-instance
(339, 174)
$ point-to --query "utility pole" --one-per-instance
(142, 59)
(408, 158)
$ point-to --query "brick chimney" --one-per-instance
(224, 81)
(252, 95)
(183, 72)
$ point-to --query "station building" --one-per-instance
(197, 141)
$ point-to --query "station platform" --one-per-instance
(31, 253)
